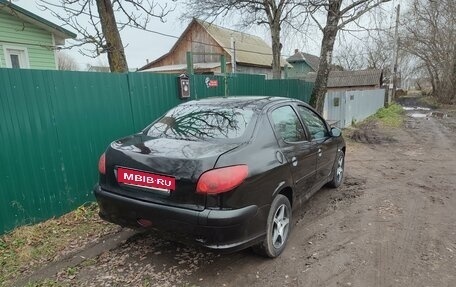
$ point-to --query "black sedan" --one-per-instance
(224, 173)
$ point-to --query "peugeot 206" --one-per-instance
(224, 173)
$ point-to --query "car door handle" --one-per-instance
(294, 161)
(319, 152)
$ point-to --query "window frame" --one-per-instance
(276, 133)
(328, 129)
(22, 55)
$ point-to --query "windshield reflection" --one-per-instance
(202, 122)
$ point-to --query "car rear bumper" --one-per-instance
(223, 230)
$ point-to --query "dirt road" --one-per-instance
(393, 223)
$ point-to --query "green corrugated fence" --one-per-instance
(54, 125)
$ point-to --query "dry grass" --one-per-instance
(29, 248)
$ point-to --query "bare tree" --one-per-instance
(275, 14)
(429, 34)
(95, 22)
(372, 53)
(378, 53)
(350, 57)
(337, 16)
(66, 62)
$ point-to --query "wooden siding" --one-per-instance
(17, 33)
(254, 70)
(192, 41)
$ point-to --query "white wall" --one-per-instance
(354, 106)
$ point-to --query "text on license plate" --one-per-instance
(145, 179)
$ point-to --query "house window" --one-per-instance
(16, 57)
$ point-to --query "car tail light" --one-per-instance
(102, 164)
(221, 180)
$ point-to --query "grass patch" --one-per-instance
(392, 116)
(28, 248)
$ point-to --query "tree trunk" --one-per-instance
(317, 99)
(453, 78)
(114, 46)
(276, 50)
(431, 76)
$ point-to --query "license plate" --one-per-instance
(145, 179)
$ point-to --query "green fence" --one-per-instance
(54, 125)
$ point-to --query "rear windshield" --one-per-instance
(202, 122)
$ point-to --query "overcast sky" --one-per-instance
(142, 45)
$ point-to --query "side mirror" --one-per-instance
(336, 132)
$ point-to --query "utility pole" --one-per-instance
(233, 56)
(393, 77)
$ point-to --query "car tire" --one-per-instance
(338, 171)
(278, 228)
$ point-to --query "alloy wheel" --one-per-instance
(340, 169)
(281, 226)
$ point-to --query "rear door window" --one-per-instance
(287, 125)
(314, 123)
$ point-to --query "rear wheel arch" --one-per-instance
(288, 193)
(286, 190)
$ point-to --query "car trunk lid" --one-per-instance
(161, 170)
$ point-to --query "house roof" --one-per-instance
(37, 20)
(340, 79)
(312, 60)
(250, 49)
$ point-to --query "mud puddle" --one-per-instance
(369, 133)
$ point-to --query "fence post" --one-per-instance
(223, 71)
(189, 63)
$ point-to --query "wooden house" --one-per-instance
(248, 53)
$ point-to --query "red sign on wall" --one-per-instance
(212, 83)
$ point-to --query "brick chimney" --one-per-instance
(296, 51)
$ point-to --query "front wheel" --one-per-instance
(278, 228)
(338, 170)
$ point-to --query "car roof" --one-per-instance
(254, 102)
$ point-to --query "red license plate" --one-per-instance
(145, 179)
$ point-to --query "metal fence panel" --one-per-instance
(151, 95)
(365, 103)
(53, 126)
(236, 85)
(292, 88)
(347, 107)
(334, 108)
